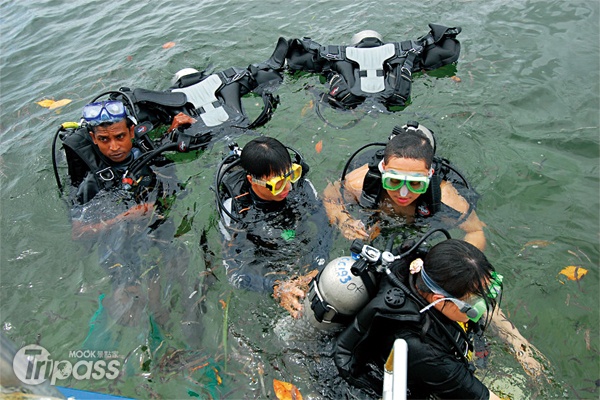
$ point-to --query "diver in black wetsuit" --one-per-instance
(123, 214)
(433, 303)
(275, 227)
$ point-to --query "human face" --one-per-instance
(114, 141)
(405, 167)
(472, 307)
(276, 187)
(450, 309)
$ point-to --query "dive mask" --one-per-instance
(477, 303)
(277, 184)
(474, 306)
(394, 180)
(105, 111)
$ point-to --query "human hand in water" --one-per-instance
(290, 293)
(353, 229)
(180, 120)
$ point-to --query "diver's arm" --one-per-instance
(81, 230)
(335, 208)
(522, 349)
(472, 225)
(250, 276)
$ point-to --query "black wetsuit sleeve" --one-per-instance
(87, 189)
(432, 371)
(244, 272)
(316, 230)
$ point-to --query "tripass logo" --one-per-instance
(32, 365)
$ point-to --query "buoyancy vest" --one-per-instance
(362, 348)
(382, 71)
(216, 99)
(84, 157)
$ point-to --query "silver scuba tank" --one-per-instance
(337, 294)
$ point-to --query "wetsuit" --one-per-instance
(273, 240)
(437, 347)
(123, 246)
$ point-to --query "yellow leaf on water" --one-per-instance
(538, 243)
(573, 272)
(307, 107)
(45, 103)
(59, 103)
(286, 391)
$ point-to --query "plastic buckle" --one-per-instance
(370, 253)
(101, 174)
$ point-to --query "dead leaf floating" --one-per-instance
(319, 146)
(306, 108)
(286, 391)
(51, 104)
(168, 45)
(573, 272)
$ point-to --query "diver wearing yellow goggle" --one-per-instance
(278, 183)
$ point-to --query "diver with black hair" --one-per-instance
(370, 67)
(407, 185)
(406, 181)
(275, 227)
(434, 301)
(119, 190)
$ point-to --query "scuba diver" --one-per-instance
(119, 204)
(275, 227)
(407, 181)
(434, 300)
(370, 67)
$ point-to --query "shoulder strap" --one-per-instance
(372, 182)
(82, 157)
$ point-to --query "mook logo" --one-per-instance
(33, 365)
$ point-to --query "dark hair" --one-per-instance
(265, 156)
(128, 121)
(460, 269)
(409, 144)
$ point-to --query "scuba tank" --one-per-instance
(347, 284)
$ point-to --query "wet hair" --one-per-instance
(460, 269)
(265, 156)
(409, 144)
(128, 121)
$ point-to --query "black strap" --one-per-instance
(270, 104)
